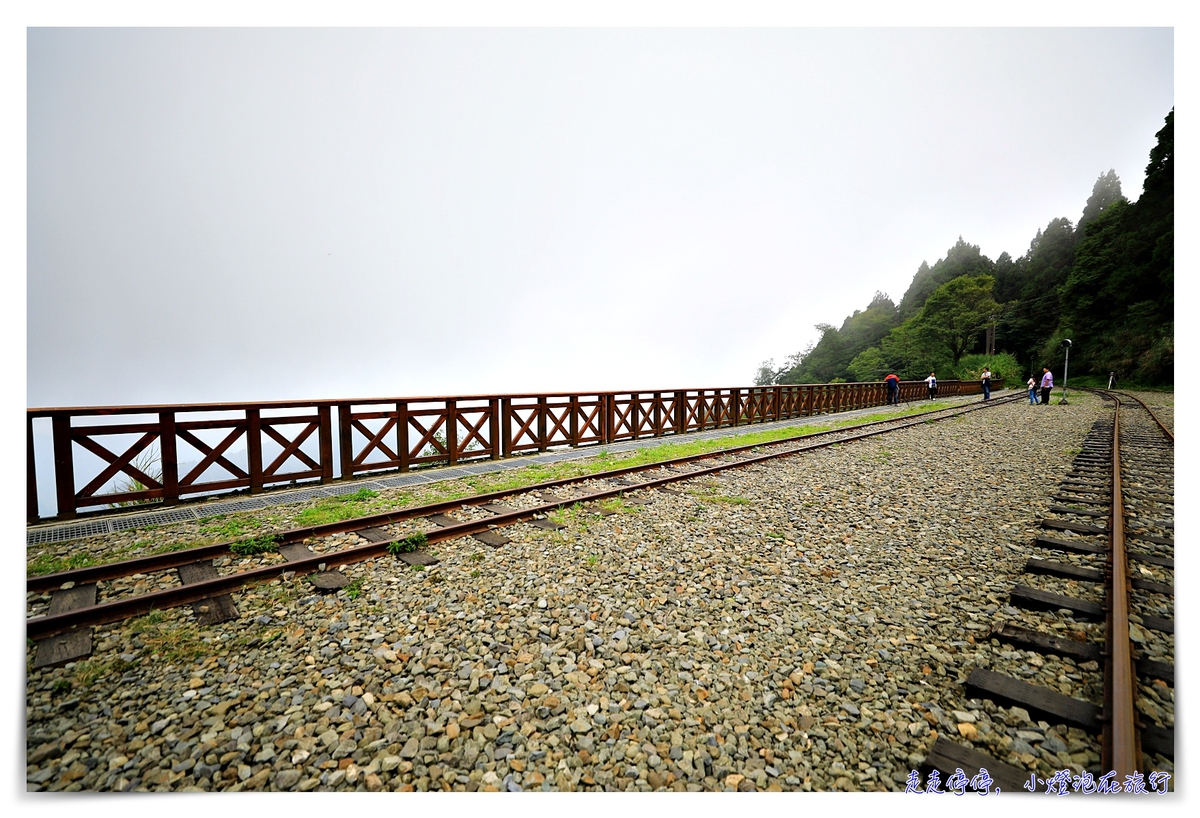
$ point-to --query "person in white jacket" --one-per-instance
(931, 382)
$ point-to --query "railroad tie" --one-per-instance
(323, 580)
(498, 508)
(215, 609)
(1063, 570)
(1040, 702)
(490, 538)
(947, 757)
(1026, 639)
(1065, 525)
(1035, 599)
(1159, 740)
(72, 645)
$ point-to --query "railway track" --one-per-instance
(62, 627)
(1111, 531)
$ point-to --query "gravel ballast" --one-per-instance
(804, 624)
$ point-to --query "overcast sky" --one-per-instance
(246, 214)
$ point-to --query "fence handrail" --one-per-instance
(154, 408)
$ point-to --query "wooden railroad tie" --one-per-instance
(72, 645)
(947, 757)
(219, 608)
(1041, 702)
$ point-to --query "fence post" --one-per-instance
(541, 424)
(64, 467)
(680, 412)
(168, 458)
(402, 434)
(574, 410)
(452, 429)
(606, 418)
(506, 426)
(325, 431)
(737, 405)
(31, 496)
(345, 440)
(494, 427)
(254, 450)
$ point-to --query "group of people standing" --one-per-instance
(1047, 386)
(893, 387)
(985, 378)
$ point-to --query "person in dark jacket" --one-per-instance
(893, 385)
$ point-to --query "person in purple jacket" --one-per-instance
(1047, 385)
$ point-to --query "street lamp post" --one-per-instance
(1066, 364)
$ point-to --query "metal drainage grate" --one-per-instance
(61, 533)
(294, 496)
(483, 468)
(353, 488)
(406, 480)
(181, 515)
(234, 505)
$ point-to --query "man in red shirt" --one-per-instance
(893, 385)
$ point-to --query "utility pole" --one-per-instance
(1066, 364)
(991, 336)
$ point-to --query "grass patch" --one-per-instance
(89, 671)
(174, 642)
(723, 499)
(46, 563)
(225, 528)
(345, 507)
(256, 545)
(50, 564)
(413, 542)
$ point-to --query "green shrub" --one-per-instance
(1003, 365)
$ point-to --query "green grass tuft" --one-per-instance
(413, 542)
(256, 545)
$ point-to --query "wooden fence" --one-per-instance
(386, 434)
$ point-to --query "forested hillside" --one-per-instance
(1106, 282)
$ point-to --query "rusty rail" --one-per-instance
(390, 434)
(1121, 742)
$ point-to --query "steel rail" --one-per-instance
(1121, 741)
(1170, 435)
(117, 610)
(174, 559)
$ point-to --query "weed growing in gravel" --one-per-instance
(89, 671)
(413, 542)
(174, 642)
(50, 564)
(256, 545)
(355, 589)
(722, 498)
(345, 507)
(477, 557)
(476, 573)
(45, 563)
(230, 527)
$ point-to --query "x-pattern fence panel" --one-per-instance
(257, 445)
